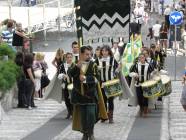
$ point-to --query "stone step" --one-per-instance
(21, 122)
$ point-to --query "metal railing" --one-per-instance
(42, 16)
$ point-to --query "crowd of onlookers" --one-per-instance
(33, 78)
(33, 67)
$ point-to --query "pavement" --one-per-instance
(177, 116)
(18, 123)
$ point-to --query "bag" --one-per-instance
(38, 73)
(44, 81)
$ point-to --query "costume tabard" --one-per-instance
(85, 97)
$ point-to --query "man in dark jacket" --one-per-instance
(85, 94)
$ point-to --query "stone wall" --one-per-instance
(9, 99)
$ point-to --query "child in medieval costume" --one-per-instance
(86, 95)
(66, 80)
(142, 72)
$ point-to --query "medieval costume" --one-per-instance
(143, 71)
(66, 80)
(75, 57)
(108, 68)
(87, 98)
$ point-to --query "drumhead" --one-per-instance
(157, 78)
(149, 83)
(111, 82)
(165, 79)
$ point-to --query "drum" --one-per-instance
(167, 86)
(112, 88)
(150, 89)
(160, 86)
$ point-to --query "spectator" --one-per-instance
(154, 6)
(30, 80)
(38, 72)
(164, 36)
(33, 2)
(138, 15)
(167, 13)
(184, 38)
(156, 31)
(183, 96)
(44, 78)
(22, 102)
(18, 37)
(134, 27)
(7, 35)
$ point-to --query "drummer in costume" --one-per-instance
(97, 53)
(86, 94)
(149, 59)
(107, 65)
(143, 71)
(66, 80)
(75, 51)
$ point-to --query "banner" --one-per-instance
(102, 20)
(131, 52)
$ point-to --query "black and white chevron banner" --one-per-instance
(98, 19)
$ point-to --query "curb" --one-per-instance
(165, 133)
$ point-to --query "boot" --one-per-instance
(110, 115)
(91, 137)
(69, 113)
(68, 116)
(85, 136)
(91, 134)
(141, 112)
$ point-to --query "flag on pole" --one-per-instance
(131, 52)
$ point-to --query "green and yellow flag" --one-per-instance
(131, 52)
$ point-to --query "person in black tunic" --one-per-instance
(143, 71)
(107, 66)
(75, 51)
(66, 80)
